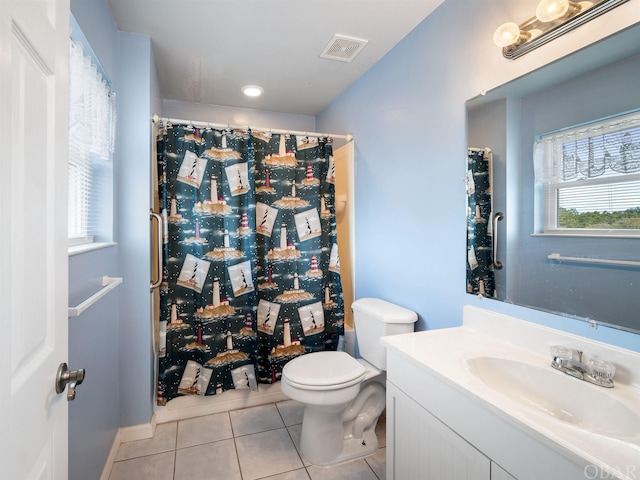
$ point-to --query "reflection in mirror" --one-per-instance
(480, 243)
(595, 83)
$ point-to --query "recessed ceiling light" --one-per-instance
(252, 90)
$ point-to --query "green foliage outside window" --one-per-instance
(626, 219)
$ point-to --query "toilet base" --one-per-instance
(317, 451)
(321, 437)
(355, 447)
(328, 438)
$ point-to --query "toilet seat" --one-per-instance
(324, 371)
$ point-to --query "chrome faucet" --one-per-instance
(571, 362)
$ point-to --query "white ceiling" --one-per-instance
(206, 50)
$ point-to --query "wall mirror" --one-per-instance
(595, 83)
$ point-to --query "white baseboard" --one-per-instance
(108, 464)
(127, 434)
(138, 432)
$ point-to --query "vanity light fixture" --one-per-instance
(550, 10)
(553, 19)
(509, 34)
(252, 90)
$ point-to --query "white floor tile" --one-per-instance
(211, 461)
(378, 463)
(266, 453)
(205, 448)
(356, 469)
(300, 474)
(295, 431)
(255, 419)
(210, 428)
(163, 440)
(151, 467)
(291, 412)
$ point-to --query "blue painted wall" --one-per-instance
(94, 416)
(98, 26)
(133, 193)
(407, 114)
(112, 339)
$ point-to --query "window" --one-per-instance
(588, 178)
(91, 144)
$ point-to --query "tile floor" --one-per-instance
(252, 443)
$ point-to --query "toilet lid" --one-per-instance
(323, 369)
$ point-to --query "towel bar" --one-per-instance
(108, 284)
(607, 261)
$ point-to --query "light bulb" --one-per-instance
(550, 10)
(252, 90)
(506, 34)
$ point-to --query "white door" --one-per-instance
(34, 59)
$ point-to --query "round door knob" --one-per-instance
(66, 377)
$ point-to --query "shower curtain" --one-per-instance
(251, 273)
(480, 275)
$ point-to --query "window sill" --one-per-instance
(89, 247)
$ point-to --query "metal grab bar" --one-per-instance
(158, 218)
(497, 264)
(607, 261)
(108, 284)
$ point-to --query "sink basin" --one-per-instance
(567, 399)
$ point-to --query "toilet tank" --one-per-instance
(375, 318)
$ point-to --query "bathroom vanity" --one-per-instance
(482, 401)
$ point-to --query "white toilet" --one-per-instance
(343, 396)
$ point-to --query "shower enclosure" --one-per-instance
(250, 274)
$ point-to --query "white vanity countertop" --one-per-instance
(444, 354)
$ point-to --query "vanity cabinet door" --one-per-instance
(498, 473)
(421, 446)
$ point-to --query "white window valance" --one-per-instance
(609, 147)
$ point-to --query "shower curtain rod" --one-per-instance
(348, 137)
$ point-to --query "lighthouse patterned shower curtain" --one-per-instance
(480, 274)
(251, 273)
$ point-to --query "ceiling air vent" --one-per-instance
(343, 48)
